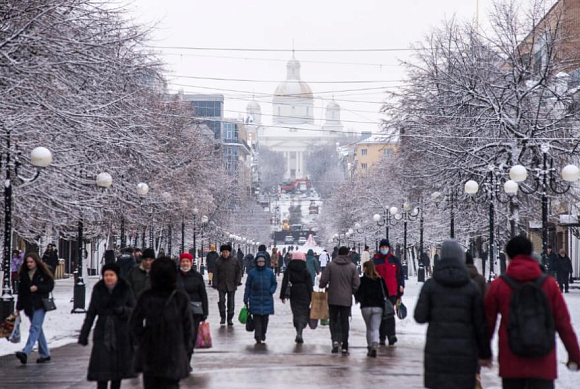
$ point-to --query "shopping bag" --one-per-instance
(243, 317)
(203, 336)
(250, 323)
(324, 322)
(401, 310)
(7, 326)
(313, 323)
(319, 307)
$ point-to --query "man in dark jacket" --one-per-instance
(389, 267)
(354, 257)
(563, 271)
(262, 251)
(552, 262)
(474, 274)
(527, 372)
(240, 255)
(126, 261)
(138, 276)
(453, 307)
(342, 279)
(210, 259)
(227, 276)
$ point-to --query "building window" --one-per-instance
(363, 166)
(387, 151)
(231, 131)
(363, 152)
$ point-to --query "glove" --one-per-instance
(204, 318)
(83, 342)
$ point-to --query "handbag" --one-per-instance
(250, 323)
(48, 303)
(288, 292)
(388, 308)
(203, 336)
(401, 310)
(196, 308)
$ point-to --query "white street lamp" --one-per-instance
(41, 157)
(204, 219)
(104, 180)
(518, 173)
(377, 217)
(142, 189)
(437, 197)
(407, 206)
(471, 187)
(394, 211)
(511, 187)
(195, 211)
(571, 173)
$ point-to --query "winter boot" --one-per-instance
(335, 347)
(373, 350)
(223, 318)
(230, 319)
(22, 357)
(392, 340)
(344, 350)
(299, 338)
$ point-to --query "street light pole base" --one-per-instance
(79, 298)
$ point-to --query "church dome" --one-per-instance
(293, 86)
(253, 106)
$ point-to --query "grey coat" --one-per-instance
(342, 279)
(227, 274)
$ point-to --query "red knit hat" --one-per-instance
(187, 256)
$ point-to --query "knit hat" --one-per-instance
(452, 250)
(384, 242)
(225, 247)
(262, 247)
(187, 256)
(148, 253)
(298, 256)
(212, 247)
(111, 267)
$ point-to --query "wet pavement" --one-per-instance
(236, 361)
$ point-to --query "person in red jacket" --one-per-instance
(389, 268)
(527, 372)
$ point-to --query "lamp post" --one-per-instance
(388, 219)
(195, 213)
(204, 221)
(408, 213)
(103, 181)
(143, 190)
(450, 196)
(492, 191)
(40, 158)
(545, 180)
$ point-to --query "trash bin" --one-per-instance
(421, 274)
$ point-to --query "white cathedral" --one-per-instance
(293, 131)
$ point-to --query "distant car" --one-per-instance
(301, 240)
(289, 239)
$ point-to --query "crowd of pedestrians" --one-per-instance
(148, 311)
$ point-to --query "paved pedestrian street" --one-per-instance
(236, 361)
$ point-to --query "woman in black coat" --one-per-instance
(298, 280)
(36, 283)
(112, 355)
(191, 282)
(453, 307)
(162, 325)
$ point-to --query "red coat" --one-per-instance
(389, 268)
(497, 300)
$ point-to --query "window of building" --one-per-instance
(231, 132)
(363, 152)
(387, 151)
(363, 166)
(207, 108)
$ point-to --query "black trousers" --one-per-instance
(260, 326)
(150, 382)
(103, 384)
(388, 326)
(231, 296)
(527, 383)
(564, 282)
(339, 324)
(196, 321)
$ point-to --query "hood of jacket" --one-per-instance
(523, 269)
(451, 272)
(342, 260)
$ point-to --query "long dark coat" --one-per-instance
(192, 283)
(300, 293)
(227, 274)
(30, 301)
(162, 325)
(112, 354)
(457, 337)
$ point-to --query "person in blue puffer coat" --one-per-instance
(260, 288)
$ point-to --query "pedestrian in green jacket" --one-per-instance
(138, 276)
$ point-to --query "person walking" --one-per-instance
(260, 288)
(50, 257)
(390, 269)
(36, 282)
(249, 263)
(543, 310)
(452, 305)
(191, 282)
(262, 251)
(324, 259)
(371, 295)
(227, 276)
(112, 355)
(335, 252)
(138, 276)
(287, 259)
(210, 260)
(15, 265)
(354, 256)
(162, 325)
(474, 274)
(563, 271)
(312, 265)
(274, 261)
(342, 279)
(126, 261)
(240, 256)
(365, 256)
(297, 283)
(552, 262)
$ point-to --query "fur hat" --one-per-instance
(112, 267)
(148, 253)
(225, 247)
(384, 243)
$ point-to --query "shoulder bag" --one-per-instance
(388, 308)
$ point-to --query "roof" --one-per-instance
(377, 139)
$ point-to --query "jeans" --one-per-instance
(527, 383)
(114, 384)
(260, 326)
(388, 327)
(339, 324)
(151, 382)
(373, 317)
(36, 334)
(230, 304)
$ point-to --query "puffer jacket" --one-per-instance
(456, 338)
(260, 288)
(341, 277)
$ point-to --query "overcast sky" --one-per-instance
(311, 24)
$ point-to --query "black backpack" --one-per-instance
(531, 329)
